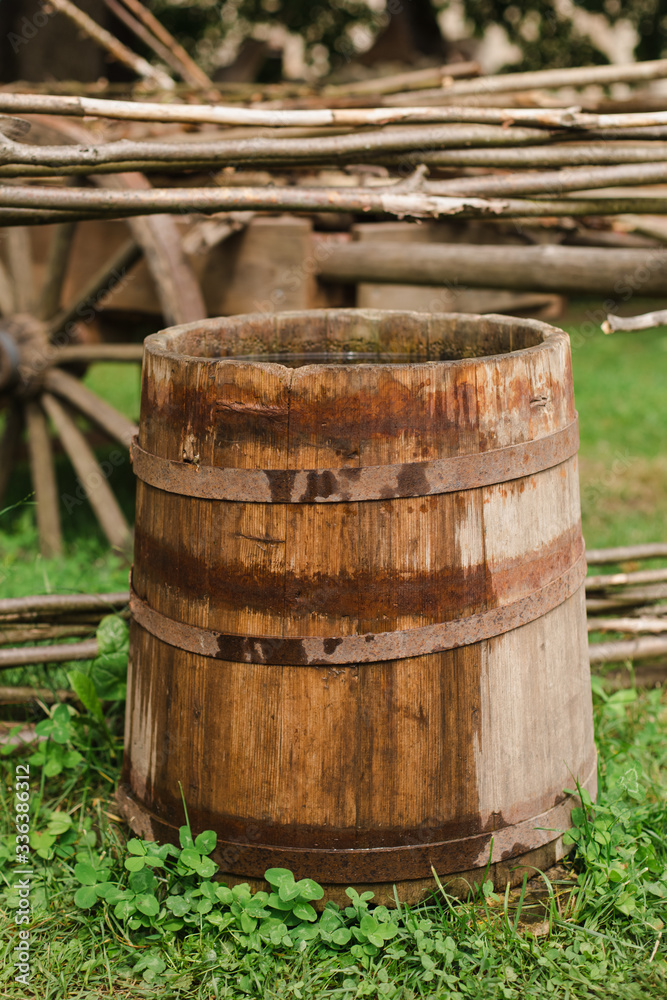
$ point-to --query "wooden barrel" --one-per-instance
(359, 638)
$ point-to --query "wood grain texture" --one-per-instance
(329, 763)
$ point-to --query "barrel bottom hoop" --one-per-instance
(351, 483)
(382, 864)
(355, 649)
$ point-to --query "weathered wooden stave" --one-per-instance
(380, 782)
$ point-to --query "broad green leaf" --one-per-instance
(178, 905)
(388, 930)
(190, 858)
(277, 903)
(108, 671)
(206, 841)
(185, 837)
(278, 877)
(143, 881)
(59, 822)
(288, 891)
(308, 889)
(368, 924)
(148, 904)
(109, 891)
(207, 868)
(135, 846)
(134, 864)
(85, 874)
(341, 936)
(124, 909)
(84, 689)
(85, 897)
(113, 635)
(304, 911)
(329, 921)
(248, 924)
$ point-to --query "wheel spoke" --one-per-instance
(56, 269)
(176, 285)
(92, 478)
(87, 353)
(43, 473)
(83, 308)
(113, 423)
(19, 251)
(6, 292)
(8, 446)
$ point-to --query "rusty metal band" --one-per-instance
(372, 482)
(372, 864)
(370, 647)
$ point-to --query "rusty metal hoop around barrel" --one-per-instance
(354, 649)
(352, 483)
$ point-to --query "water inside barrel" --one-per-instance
(298, 360)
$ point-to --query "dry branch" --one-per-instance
(26, 655)
(553, 182)
(418, 79)
(90, 353)
(189, 70)
(13, 608)
(561, 154)
(644, 322)
(626, 553)
(643, 648)
(604, 582)
(21, 695)
(571, 119)
(34, 633)
(141, 31)
(392, 200)
(640, 624)
(578, 76)
(111, 44)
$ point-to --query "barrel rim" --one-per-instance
(156, 343)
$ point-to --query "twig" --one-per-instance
(626, 553)
(40, 630)
(26, 655)
(278, 118)
(418, 79)
(115, 48)
(262, 149)
(556, 181)
(643, 322)
(120, 204)
(189, 70)
(140, 30)
(556, 118)
(21, 695)
(62, 604)
(578, 76)
(561, 154)
(643, 648)
(603, 582)
(627, 625)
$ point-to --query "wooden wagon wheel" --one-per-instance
(38, 340)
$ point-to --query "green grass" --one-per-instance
(620, 384)
(601, 918)
(601, 915)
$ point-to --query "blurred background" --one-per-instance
(269, 40)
